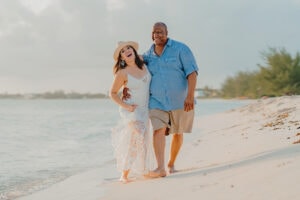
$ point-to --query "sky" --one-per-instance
(50, 45)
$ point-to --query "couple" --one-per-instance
(160, 85)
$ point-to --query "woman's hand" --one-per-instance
(131, 107)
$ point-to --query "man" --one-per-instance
(174, 76)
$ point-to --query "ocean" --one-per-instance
(43, 142)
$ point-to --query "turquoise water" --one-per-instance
(44, 141)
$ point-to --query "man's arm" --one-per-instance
(189, 100)
(125, 94)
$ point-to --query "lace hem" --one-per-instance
(132, 145)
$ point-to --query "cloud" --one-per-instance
(297, 2)
(68, 36)
(36, 6)
(115, 5)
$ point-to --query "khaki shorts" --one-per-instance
(178, 121)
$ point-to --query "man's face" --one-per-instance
(159, 35)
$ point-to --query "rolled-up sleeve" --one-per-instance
(188, 61)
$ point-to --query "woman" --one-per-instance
(131, 139)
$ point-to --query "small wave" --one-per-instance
(14, 189)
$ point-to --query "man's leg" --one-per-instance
(176, 144)
(159, 143)
(159, 120)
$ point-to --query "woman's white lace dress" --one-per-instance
(131, 139)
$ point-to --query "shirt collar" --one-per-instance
(169, 43)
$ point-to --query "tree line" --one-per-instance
(280, 75)
(58, 94)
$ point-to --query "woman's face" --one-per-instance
(127, 53)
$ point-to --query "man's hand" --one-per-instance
(125, 93)
(189, 100)
(189, 104)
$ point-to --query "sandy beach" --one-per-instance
(249, 153)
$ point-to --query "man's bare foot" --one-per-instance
(171, 169)
(157, 173)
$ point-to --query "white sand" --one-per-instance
(244, 154)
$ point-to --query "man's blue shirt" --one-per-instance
(168, 87)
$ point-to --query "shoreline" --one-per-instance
(246, 153)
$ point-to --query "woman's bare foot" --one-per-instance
(124, 176)
(124, 179)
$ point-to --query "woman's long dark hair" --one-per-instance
(119, 65)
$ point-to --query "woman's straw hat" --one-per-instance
(123, 44)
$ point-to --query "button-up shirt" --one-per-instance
(168, 87)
